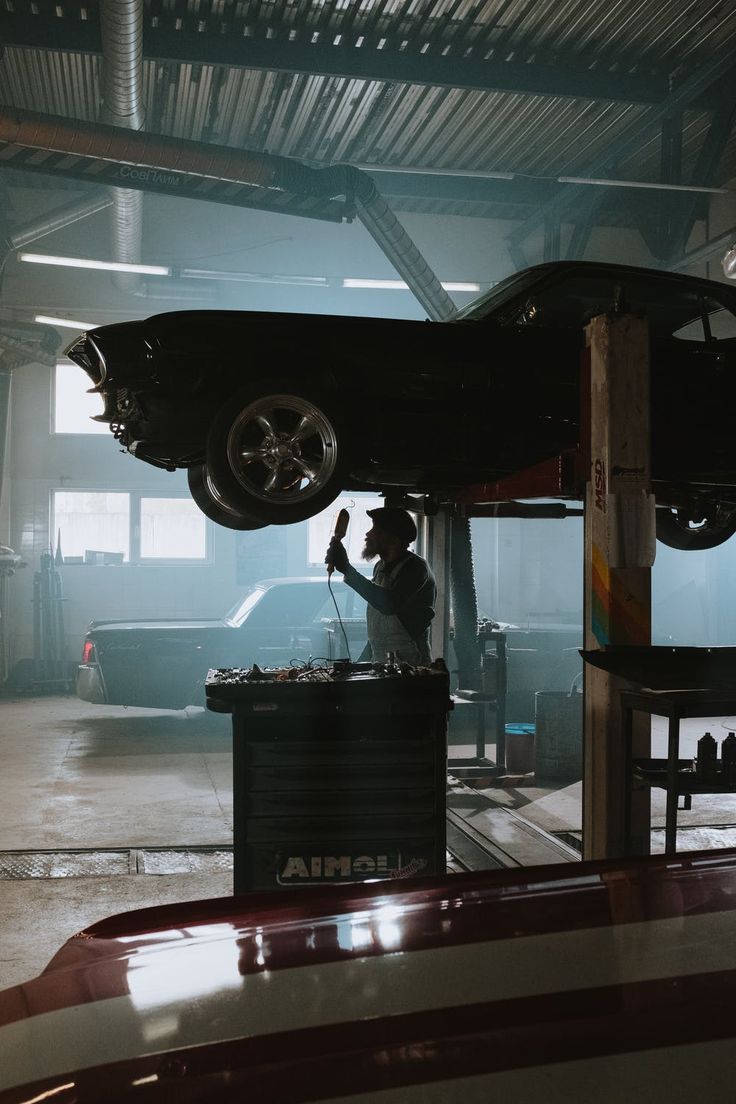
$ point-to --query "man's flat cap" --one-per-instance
(399, 523)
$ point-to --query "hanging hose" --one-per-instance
(464, 605)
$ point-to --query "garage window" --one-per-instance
(101, 527)
(172, 529)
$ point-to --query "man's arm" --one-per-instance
(388, 599)
(392, 599)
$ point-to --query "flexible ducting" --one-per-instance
(43, 352)
(5, 385)
(155, 153)
(464, 605)
(729, 263)
(378, 219)
(122, 96)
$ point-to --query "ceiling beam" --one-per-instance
(705, 251)
(709, 77)
(705, 171)
(456, 188)
(72, 35)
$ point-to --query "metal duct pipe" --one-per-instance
(34, 354)
(5, 384)
(57, 220)
(378, 219)
(464, 605)
(121, 24)
(156, 154)
(122, 92)
(90, 142)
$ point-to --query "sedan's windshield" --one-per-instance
(241, 609)
(499, 294)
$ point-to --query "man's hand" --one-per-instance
(336, 556)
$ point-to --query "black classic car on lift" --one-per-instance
(274, 414)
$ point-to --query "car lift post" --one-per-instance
(436, 547)
(619, 553)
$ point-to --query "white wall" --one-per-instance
(40, 463)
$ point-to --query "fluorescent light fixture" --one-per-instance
(389, 285)
(69, 323)
(400, 285)
(642, 184)
(252, 277)
(105, 266)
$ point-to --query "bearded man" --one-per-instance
(402, 596)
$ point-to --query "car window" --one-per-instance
(349, 604)
(721, 324)
(568, 300)
(241, 609)
(291, 604)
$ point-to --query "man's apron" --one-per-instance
(385, 631)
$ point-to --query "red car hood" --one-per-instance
(507, 982)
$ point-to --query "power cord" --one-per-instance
(339, 618)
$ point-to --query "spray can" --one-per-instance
(706, 763)
(728, 760)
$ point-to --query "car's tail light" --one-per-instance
(88, 652)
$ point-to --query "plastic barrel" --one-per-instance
(559, 737)
(519, 748)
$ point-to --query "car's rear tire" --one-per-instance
(212, 504)
(693, 530)
(278, 452)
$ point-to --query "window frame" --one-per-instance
(135, 498)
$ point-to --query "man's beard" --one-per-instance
(369, 551)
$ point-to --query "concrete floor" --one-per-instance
(82, 776)
(77, 775)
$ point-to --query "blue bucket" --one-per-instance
(520, 747)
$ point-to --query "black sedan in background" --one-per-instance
(163, 664)
(274, 414)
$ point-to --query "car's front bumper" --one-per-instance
(90, 684)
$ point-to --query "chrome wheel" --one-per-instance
(697, 528)
(282, 449)
(213, 504)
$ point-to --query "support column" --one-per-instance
(619, 552)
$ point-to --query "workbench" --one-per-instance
(673, 774)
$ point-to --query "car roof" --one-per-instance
(546, 276)
(296, 580)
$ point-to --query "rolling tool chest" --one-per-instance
(335, 779)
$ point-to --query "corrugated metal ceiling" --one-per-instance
(326, 118)
(225, 71)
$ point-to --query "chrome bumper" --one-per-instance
(90, 684)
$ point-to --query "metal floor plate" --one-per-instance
(184, 862)
(20, 865)
(23, 865)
